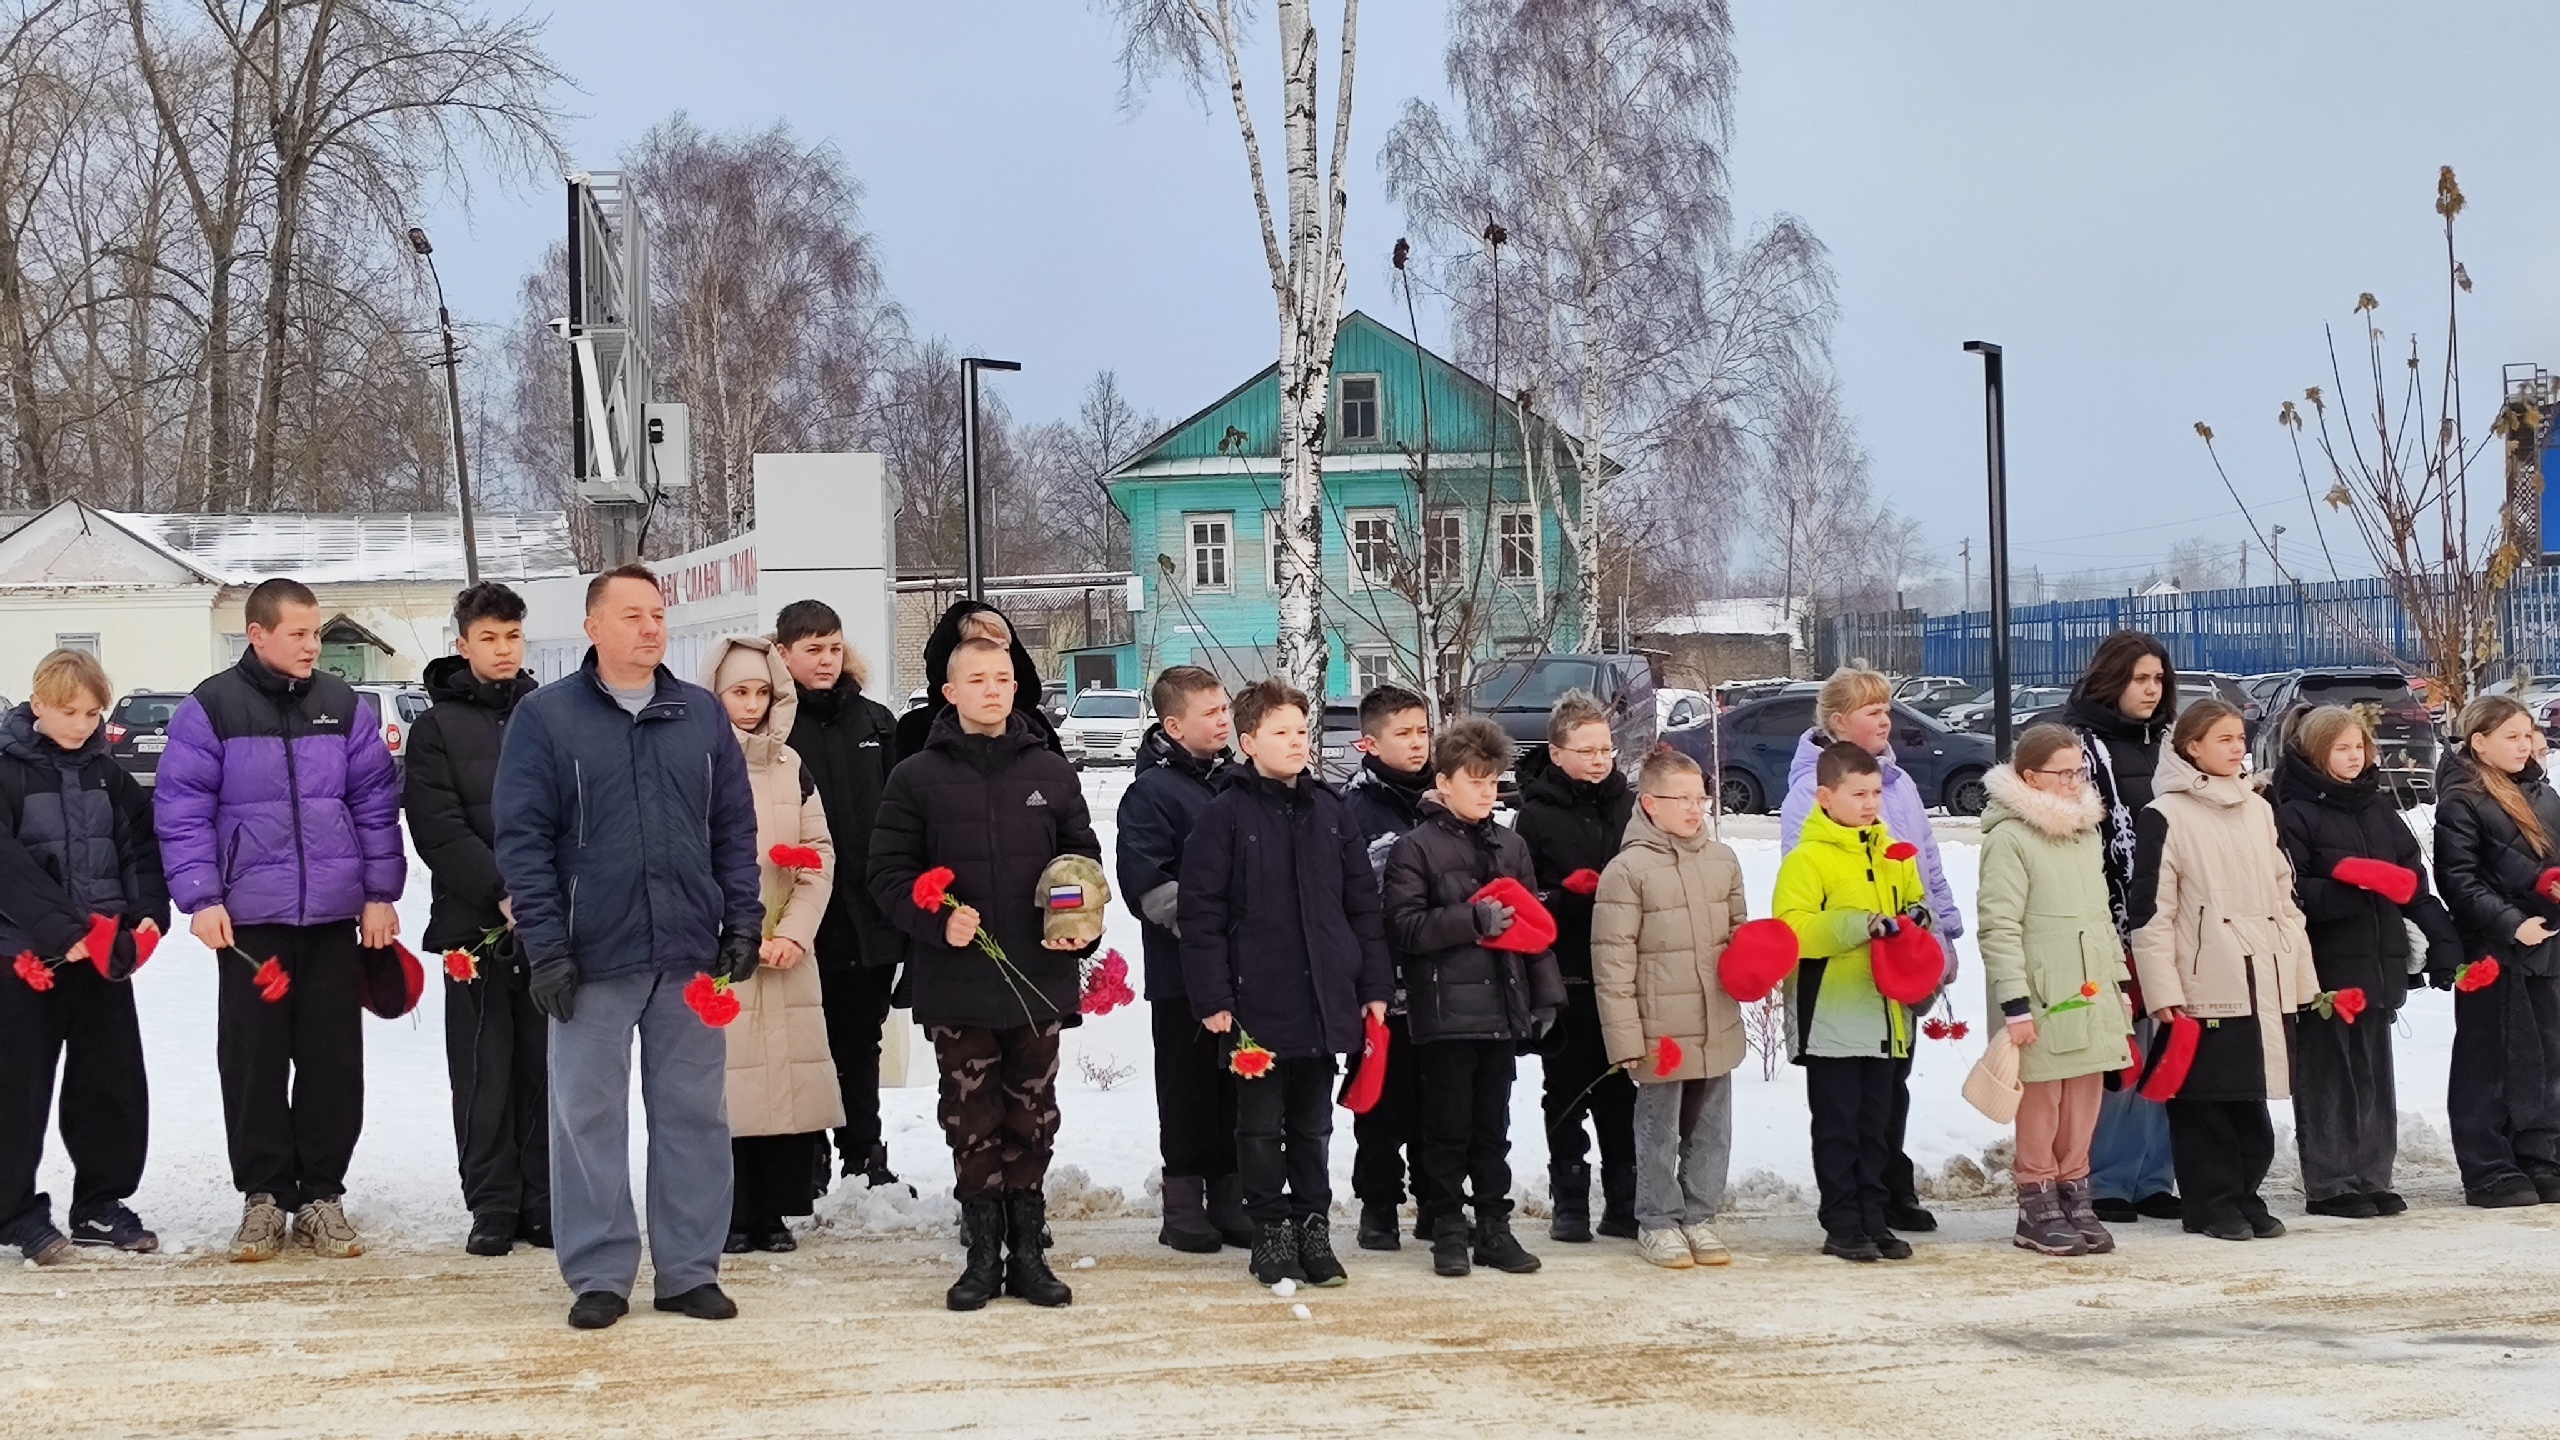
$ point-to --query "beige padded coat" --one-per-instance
(1666, 909)
(782, 1077)
(2225, 938)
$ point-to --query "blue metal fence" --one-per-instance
(2240, 631)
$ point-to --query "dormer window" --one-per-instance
(1356, 417)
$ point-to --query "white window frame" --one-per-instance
(89, 642)
(1362, 576)
(1196, 547)
(1503, 544)
(1377, 407)
(1373, 666)
(1455, 520)
(1271, 551)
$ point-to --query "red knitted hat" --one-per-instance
(1908, 964)
(2173, 1054)
(389, 981)
(1532, 928)
(1369, 1081)
(1760, 955)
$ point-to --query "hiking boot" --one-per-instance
(2388, 1202)
(1890, 1246)
(597, 1309)
(1498, 1247)
(1569, 1192)
(2161, 1205)
(1617, 1202)
(2112, 1211)
(1226, 1211)
(2077, 1208)
(1186, 1217)
(322, 1227)
(1449, 1245)
(1852, 1247)
(535, 1229)
(702, 1302)
(982, 1230)
(1666, 1248)
(1379, 1228)
(2219, 1227)
(2265, 1226)
(491, 1234)
(113, 1225)
(1705, 1245)
(1905, 1212)
(2512, 1191)
(1315, 1252)
(2350, 1206)
(1275, 1253)
(2042, 1225)
(36, 1238)
(1027, 1275)
(261, 1234)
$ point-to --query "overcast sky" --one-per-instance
(2154, 209)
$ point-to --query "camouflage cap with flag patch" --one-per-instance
(1071, 896)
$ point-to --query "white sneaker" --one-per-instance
(1705, 1246)
(261, 1232)
(1666, 1248)
(322, 1226)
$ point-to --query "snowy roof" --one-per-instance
(1758, 616)
(354, 549)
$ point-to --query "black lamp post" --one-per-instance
(453, 399)
(1995, 441)
(972, 527)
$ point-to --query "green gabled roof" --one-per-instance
(1243, 425)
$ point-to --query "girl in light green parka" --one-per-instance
(2053, 970)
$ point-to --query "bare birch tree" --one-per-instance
(1201, 42)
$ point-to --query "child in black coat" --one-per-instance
(82, 899)
(1386, 801)
(1282, 951)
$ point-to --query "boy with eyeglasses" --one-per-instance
(1574, 808)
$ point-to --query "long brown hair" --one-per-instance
(2111, 669)
(2479, 718)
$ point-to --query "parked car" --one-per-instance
(1932, 694)
(1676, 708)
(1974, 716)
(2404, 733)
(1338, 741)
(1759, 744)
(2207, 684)
(1053, 701)
(138, 730)
(1743, 692)
(1103, 727)
(1518, 694)
(397, 704)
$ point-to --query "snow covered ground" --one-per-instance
(403, 1187)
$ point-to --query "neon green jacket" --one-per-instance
(1828, 887)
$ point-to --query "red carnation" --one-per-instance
(1583, 882)
(1934, 1028)
(461, 967)
(272, 980)
(797, 857)
(1106, 985)
(1250, 1061)
(933, 888)
(710, 999)
(2480, 974)
(37, 974)
(1666, 1057)
(1901, 850)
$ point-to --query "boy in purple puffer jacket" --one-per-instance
(278, 811)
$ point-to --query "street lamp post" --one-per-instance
(2275, 551)
(453, 400)
(1996, 446)
(972, 526)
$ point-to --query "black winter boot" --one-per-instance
(1315, 1252)
(491, 1234)
(1186, 1216)
(1226, 1211)
(1449, 1237)
(982, 1230)
(1569, 1192)
(1027, 1275)
(1275, 1253)
(1379, 1229)
(1498, 1247)
(1618, 1201)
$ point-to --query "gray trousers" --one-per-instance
(1684, 1145)
(684, 1085)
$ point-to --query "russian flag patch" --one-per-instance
(1066, 897)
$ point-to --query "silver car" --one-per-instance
(1103, 727)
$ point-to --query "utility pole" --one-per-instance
(2275, 551)
(1789, 608)
(453, 398)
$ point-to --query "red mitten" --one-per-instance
(2398, 883)
(1583, 882)
(1908, 964)
(101, 940)
(1370, 1080)
(1756, 959)
(146, 938)
(2547, 885)
(2173, 1054)
(1532, 930)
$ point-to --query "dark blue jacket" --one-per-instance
(77, 841)
(628, 843)
(1280, 917)
(1157, 812)
(1385, 804)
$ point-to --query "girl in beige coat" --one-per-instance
(2219, 939)
(1666, 908)
(783, 1095)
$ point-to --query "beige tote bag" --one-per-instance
(1992, 1087)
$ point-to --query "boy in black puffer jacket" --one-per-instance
(1282, 950)
(78, 845)
(1386, 801)
(1472, 1007)
(1574, 808)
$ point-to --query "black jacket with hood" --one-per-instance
(451, 773)
(1571, 825)
(1456, 988)
(2120, 754)
(915, 728)
(75, 841)
(2489, 872)
(2358, 938)
(1157, 812)
(847, 743)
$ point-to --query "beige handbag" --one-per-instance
(1992, 1086)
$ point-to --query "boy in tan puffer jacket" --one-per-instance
(1666, 908)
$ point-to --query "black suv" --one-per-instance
(2404, 735)
(1759, 741)
(1519, 694)
(138, 730)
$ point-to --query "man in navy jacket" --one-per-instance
(627, 836)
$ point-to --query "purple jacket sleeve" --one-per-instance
(373, 799)
(187, 792)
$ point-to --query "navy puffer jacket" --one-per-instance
(1157, 812)
(78, 841)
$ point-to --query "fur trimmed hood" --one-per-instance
(2060, 816)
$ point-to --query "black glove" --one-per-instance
(1492, 918)
(122, 959)
(2440, 975)
(738, 957)
(554, 987)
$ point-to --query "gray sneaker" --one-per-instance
(262, 1230)
(322, 1227)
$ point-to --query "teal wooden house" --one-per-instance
(1422, 578)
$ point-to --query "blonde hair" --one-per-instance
(62, 676)
(2479, 718)
(1850, 689)
(1662, 764)
(2318, 732)
(2040, 743)
(986, 625)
